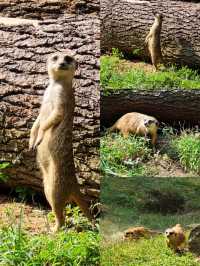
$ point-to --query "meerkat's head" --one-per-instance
(170, 233)
(158, 17)
(151, 122)
(61, 65)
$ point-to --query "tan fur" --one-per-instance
(153, 41)
(135, 233)
(176, 239)
(52, 135)
(134, 123)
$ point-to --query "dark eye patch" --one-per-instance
(68, 59)
(55, 58)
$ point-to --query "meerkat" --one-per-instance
(176, 239)
(51, 134)
(153, 41)
(137, 123)
(135, 233)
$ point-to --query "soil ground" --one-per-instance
(34, 218)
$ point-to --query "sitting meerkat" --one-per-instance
(176, 239)
(136, 123)
(153, 41)
(135, 233)
(51, 134)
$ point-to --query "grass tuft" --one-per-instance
(151, 252)
(20, 248)
(124, 156)
(115, 74)
(188, 149)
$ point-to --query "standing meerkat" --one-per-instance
(176, 239)
(153, 41)
(136, 123)
(52, 135)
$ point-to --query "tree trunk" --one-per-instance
(171, 106)
(126, 23)
(46, 9)
(23, 78)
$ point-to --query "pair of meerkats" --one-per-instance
(175, 236)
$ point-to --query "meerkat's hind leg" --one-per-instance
(58, 211)
(53, 194)
(57, 207)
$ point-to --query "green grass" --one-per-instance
(188, 149)
(113, 77)
(4, 177)
(152, 252)
(124, 156)
(70, 248)
(156, 203)
(134, 156)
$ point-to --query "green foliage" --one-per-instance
(76, 219)
(117, 53)
(4, 177)
(24, 193)
(64, 248)
(114, 77)
(71, 248)
(136, 52)
(151, 252)
(188, 149)
(133, 156)
(73, 219)
(123, 155)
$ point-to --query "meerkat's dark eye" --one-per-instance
(55, 58)
(68, 59)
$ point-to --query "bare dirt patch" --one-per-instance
(135, 64)
(32, 218)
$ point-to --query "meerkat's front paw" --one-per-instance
(39, 138)
(31, 144)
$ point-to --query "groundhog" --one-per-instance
(135, 233)
(136, 123)
(153, 41)
(176, 239)
(51, 134)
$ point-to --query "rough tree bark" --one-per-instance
(125, 24)
(44, 9)
(23, 78)
(166, 105)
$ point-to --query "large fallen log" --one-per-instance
(44, 9)
(125, 24)
(171, 106)
(23, 78)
